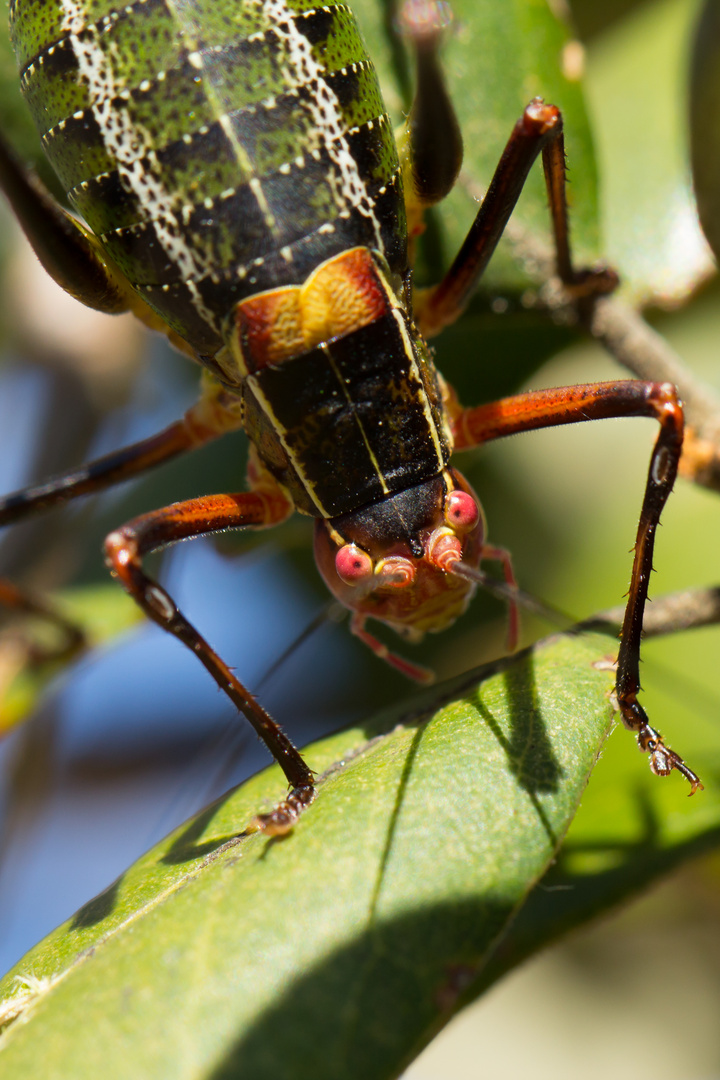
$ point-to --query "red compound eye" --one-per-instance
(353, 565)
(461, 511)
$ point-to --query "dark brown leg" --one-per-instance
(597, 401)
(539, 130)
(125, 550)
(100, 474)
(204, 422)
(215, 413)
(61, 244)
(113, 469)
(432, 138)
(501, 555)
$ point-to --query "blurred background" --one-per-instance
(133, 738)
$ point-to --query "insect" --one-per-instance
(241, 190)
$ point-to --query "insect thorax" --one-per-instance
(341, 398)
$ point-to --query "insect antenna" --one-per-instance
(513, 594)
(332, 612)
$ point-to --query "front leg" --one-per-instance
(596, 401)
(125, 550)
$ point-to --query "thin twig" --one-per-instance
(688, 609)
(633, 343)
(628, 338)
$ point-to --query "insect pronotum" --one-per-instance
(241, 190)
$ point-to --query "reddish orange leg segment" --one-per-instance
(596, 401)
(417, 672)
(125, 550)
(503, 556)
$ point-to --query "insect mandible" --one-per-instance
(240, 190)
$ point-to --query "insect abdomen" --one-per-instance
(217, 149)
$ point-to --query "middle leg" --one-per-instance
(214, 414)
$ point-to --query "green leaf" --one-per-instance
(630, 831)
(636, 84)
(393, 903)
(704, 127)
(349, 942)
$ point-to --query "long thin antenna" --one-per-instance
(331, 612)
(512, 593)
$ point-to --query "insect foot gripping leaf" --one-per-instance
(241, 190)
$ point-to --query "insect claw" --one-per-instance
(691, 777)
(663, 760)
(280, 821)
(592, 281)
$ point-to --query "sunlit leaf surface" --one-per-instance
(358, 933)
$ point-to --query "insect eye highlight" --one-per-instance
(353, 565)
(461, 511)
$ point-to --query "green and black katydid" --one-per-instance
(241, 190)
